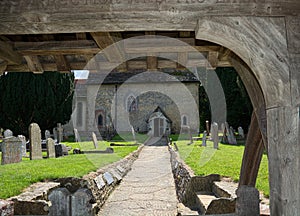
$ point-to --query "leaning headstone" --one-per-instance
(81, 202)
(11, 150)
(77, 136)
(8, 133)
(95, 141)
(215, 135)
(59, 133)
(47, 134)
(23, 140)
(241, 132)
(204, 139)
(35, 142)
(60, 202)
(50, 148)
(231, 137)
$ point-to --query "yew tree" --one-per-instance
(45, 99)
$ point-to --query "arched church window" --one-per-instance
(100, 120)
(184, 120)
(132, 104)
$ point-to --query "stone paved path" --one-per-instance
(148, 189)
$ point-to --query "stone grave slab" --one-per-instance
(35, 142)
(81, 203)
(60, 202)
(116, 175)
(50, 148)
(108, 178)
(11, 150)
(99, 181)
(95, 141)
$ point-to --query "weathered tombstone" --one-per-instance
(223, 128)
(241, 132)
(133, 134)
(64, 149)
(58, 150)
(8, 133)
(11, 150)
(55, 135)
(59, 133)
(50, 148)
(247, 202)
(231, 137)
(214, 133)
(77, 136)
(108, 178)
(35, 142)
(60, 202)
(47, 134)
(95, 141)
(204, 139)
(207, 127)
(225, 138)
(23, 140)
(99, 182)
(82, 202)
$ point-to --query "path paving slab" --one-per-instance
(148, 189)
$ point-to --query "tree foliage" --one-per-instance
(45, 99)
(238, 104)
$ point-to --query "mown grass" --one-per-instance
(225, 161)
(16, 177)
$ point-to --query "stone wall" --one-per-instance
(74, 196)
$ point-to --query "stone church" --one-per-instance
(148, 102)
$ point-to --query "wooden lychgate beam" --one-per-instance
(8, 54)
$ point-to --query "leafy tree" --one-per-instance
(45, 99)
(239, 107)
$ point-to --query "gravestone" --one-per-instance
(60, 202)
(207, 127)
(133, 134)
(247, 202)
(81, 202)
(222, 128)
(95, 141)
(35, 142)
(241, 132)
(23, 140)
(108, 178)
(99, 182)
(204, 139)
(58, 150)
(214, 134)
(77, 136)
(231, 137)
(47, 134)
(225, 138)
(59, 133)
(11, 150)
(55, 135)
(8, 133)
(50, 148)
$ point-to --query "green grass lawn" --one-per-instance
(16, 177)
(226, 161)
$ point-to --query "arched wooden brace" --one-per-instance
(257, 134)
